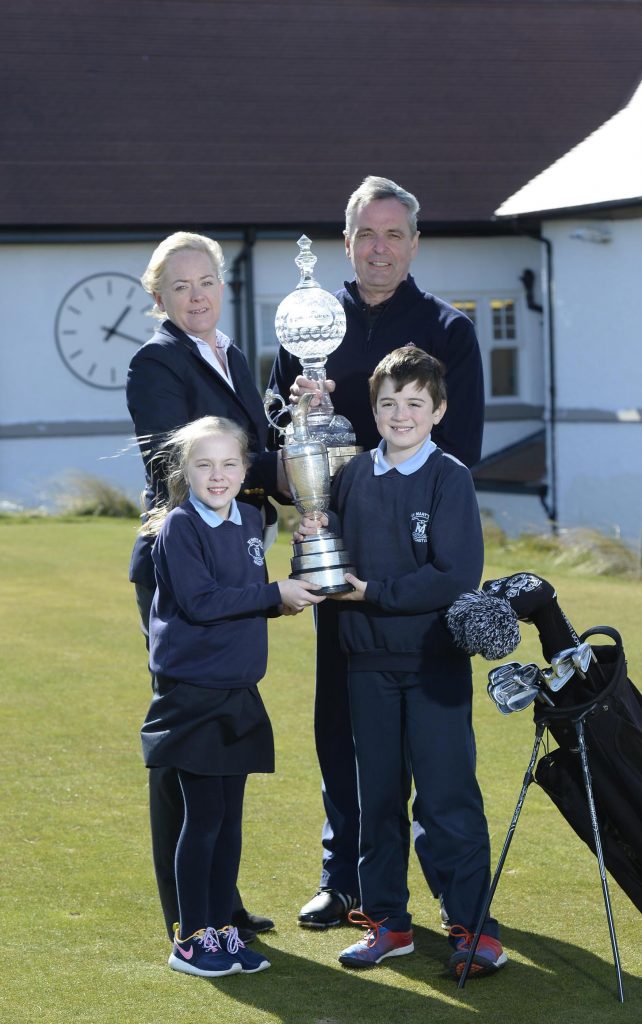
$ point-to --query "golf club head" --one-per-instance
(512, 687)
(565, 664)
(582, 658)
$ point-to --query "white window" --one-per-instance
(267, 344)
(496, 323)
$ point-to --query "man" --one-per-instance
(384, 310)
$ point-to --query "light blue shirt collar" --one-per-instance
(407, 467)
(211, 517)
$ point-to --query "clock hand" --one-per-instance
(112, 330)
(127, 337)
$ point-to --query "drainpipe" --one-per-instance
(242, 287)
(550, 501)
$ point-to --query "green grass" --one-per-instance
(84, 940)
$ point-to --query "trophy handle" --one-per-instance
(270, 399)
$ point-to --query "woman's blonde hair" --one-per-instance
(170, 462)
(152, 279)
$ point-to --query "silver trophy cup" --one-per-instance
(320, 558)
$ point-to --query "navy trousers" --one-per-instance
(166, 811)
(401, 715)
(336, 754)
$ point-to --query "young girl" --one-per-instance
(208, 650)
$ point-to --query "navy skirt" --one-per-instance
(207, 731)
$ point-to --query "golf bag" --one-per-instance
(603, 697)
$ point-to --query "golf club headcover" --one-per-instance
(481, 624)
(533, 599)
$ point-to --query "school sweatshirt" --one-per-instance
(417, 541)
(208, 619)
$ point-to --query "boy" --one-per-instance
(409, 518)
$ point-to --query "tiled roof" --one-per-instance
(252, 112)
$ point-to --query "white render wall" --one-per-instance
(37, 388)
(598, 355)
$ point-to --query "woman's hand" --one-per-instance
(297, 595)
(359, 592)
(308, 527)
(303, 384)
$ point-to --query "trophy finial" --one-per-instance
(306, 261)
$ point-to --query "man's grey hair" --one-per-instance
(373, 188)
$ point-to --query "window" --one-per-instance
(496, 324)
(267, 344)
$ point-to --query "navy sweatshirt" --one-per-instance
(417, 540)
(433, 325)
(208, 619)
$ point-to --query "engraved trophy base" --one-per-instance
(324, 560)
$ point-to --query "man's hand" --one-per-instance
(303, 384)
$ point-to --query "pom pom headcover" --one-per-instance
(482, 624)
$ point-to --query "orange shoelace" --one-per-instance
(358, 917)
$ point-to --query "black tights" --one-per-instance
(209, 849)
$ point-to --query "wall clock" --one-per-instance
(100, 323)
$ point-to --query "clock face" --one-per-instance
(99, 325)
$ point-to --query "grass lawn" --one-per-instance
(84, 940)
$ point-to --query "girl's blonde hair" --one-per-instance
(170, 462)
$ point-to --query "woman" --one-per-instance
(187, 370)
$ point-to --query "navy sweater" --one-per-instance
(417, 540)
(208, 620)
(433, 325)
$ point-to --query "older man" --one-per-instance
(384, 309)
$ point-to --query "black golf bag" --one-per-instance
(613, 727)
(603, 697)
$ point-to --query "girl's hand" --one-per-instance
(303, 384)
(359, 592)
(297, 595)
(308, 527)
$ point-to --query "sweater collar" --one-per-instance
(407, 467)
(212, 518)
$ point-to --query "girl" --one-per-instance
(208, 650)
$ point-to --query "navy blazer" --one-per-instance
(170, 384)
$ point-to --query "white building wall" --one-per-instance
(598, 358)
(40, 398)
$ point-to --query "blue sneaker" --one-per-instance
(202, 954)
(489, 955)
(377, 944)
(249, 962)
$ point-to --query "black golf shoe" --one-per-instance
(327, 909)
(249, 925)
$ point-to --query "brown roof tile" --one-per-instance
(213, 112)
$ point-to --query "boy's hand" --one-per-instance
(297, 595)
(359, 592)
(308, 527)
(303, 384)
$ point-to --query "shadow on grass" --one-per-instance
(552, 980)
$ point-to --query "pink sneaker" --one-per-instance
(378, 943)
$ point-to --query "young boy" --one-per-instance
(409, 518)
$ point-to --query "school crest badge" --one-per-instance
(419, 527)
(255, 550)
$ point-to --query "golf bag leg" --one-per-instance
(579, 728)
(528, 778)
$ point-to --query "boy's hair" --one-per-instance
(170, 462)
(410, 365)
